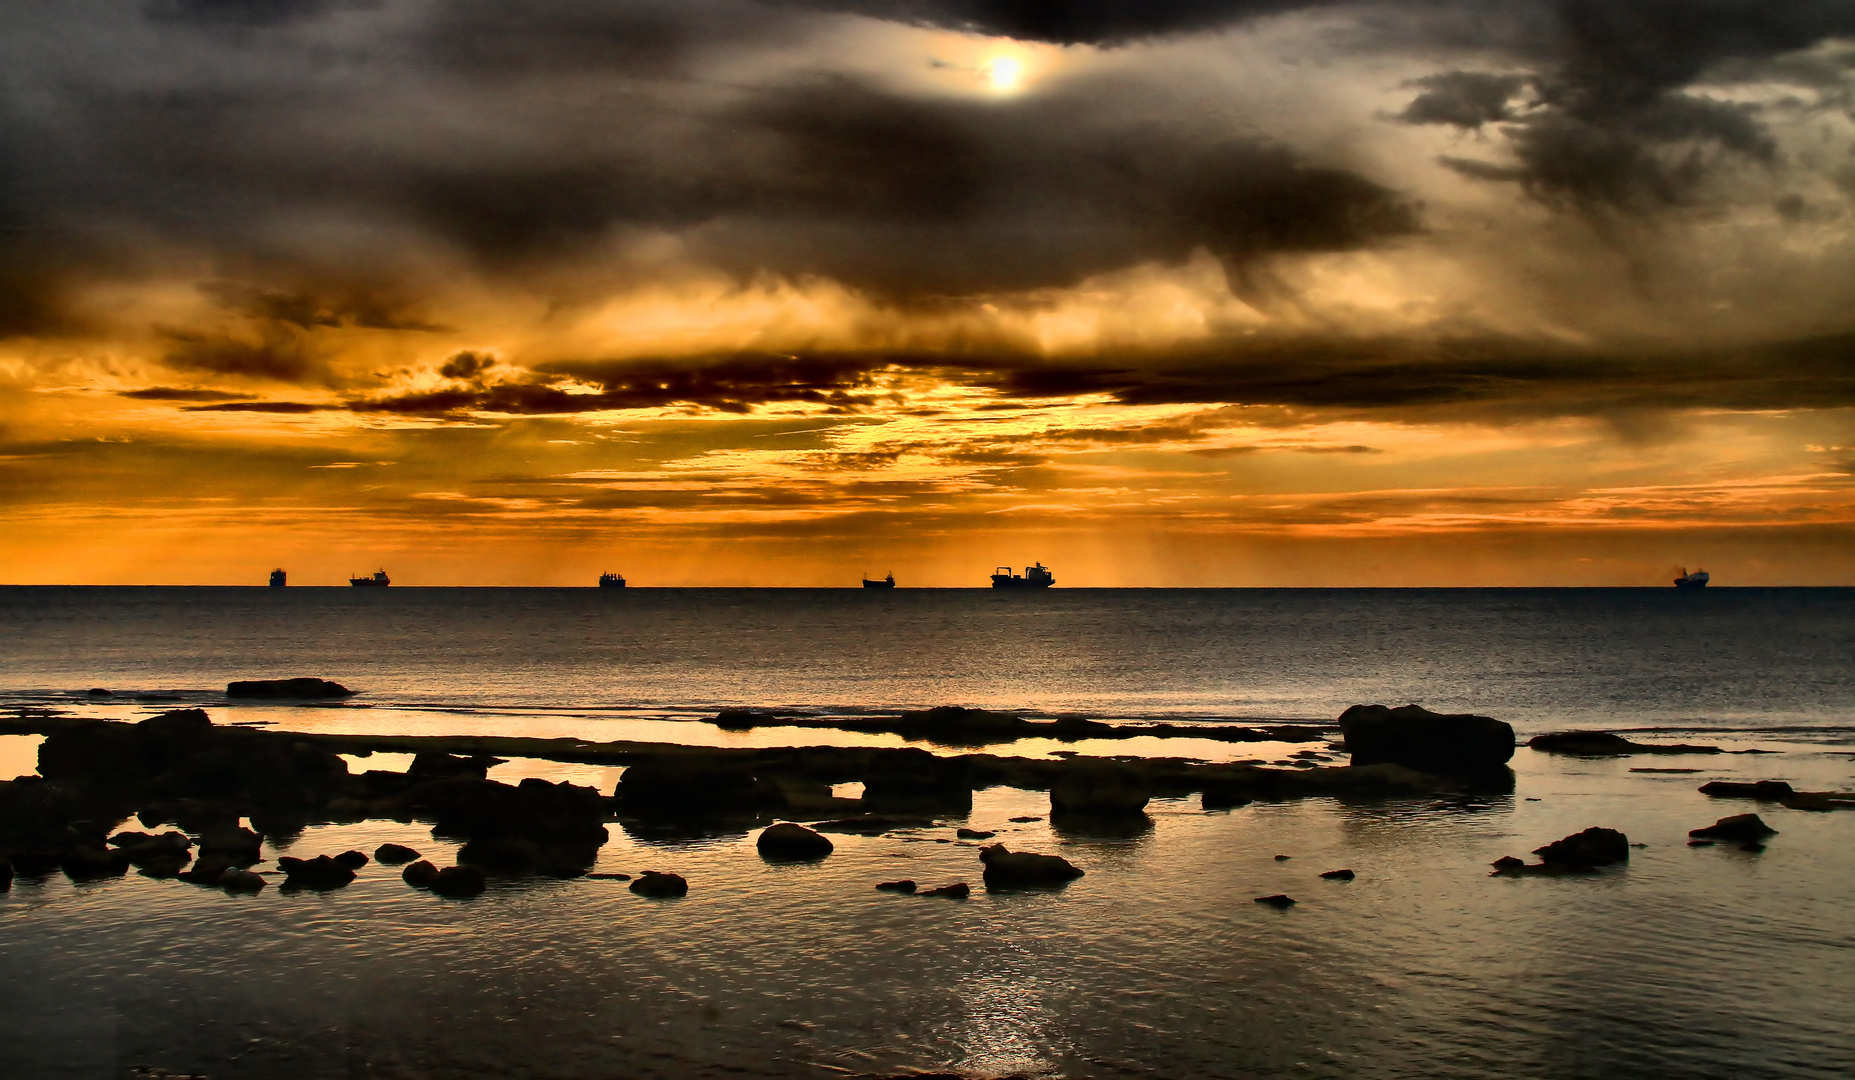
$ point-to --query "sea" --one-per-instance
(1689, 962)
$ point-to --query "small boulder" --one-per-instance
(419, 875)
(86, 863)
(1744, 828)
(353, 860)
(241, 881)
(458, 881)
(394, 854)
(1417, 738)
(1507, 864)
(291, 689)
(321, 872)
(1590, 848)
(1007, 869)
(1098, 791)
(1026, 819)
(1283, 858)
(207, 870)
(787, 841)
(1279, 901)
(1339, 875)
(959, 890)
(654, 883)
(974, 834)
(234, 842)
(903, 886)
(1762, 790)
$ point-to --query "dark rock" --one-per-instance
(1097, 791)
(1339, 875)
(293, 689)
(1224, 795)
(1592, 847)
(458, 882)
(207, 870)
(1028, 818)
(353, 860)
(959, 890)
(691, 786)
(1700, 843)
(98, 691)
(1417, 738)
(419, 875)
(6, 875)
(86, 863)
(321, 872)
(432, 765)
(653, 883)
(511, 855)
(796, 842)
(241, 881)
(954, 725)
(394, 854)
(911, 780)
(740, 719)
(1606, 744)
(1508, 864)
(1278, 901)
(609, 877)
(903, 886)
(1763, 790)
(1746, 828)
(163, 866)
(235, 842)
(974, 834)
(1007, 869)
(1283, 858)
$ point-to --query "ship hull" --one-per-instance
(999, 582)
(868, 584)
(1681, 583)
(367, 583)
(611, 584)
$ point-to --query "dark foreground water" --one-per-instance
(1708, 962)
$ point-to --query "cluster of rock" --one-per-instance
(1580, 853)
(1606, 744)
(955, 725)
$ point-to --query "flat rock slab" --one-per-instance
(294, 689)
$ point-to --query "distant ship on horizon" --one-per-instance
(881, 583)
(279, 579)
(609, 580)
(1697, 580)
(1035, 577)
(379, 580)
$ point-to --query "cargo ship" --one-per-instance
(609, 580)
(1697, 580)
(1035, 577)
(279, 579)
(379, 580)
(881, 583)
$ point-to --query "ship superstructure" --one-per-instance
(1697, 580)
(609, 580)
(880, 583)
(279, 579)
(1034, 577)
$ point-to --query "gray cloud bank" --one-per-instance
(330, 160)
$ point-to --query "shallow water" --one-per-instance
(1709, 962)
(1689, 963)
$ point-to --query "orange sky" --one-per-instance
(798, 294)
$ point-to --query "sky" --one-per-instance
(791, 292)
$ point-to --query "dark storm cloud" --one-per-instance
(170, 393)
(282, 407)
(247, 13)
(283, 359)
(1070, 22)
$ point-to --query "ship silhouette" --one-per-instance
(609, 580)
(379, 580)
(881, 583)
(1697, 580)
(1035, 577)
(279, 579)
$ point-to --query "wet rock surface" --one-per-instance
(301, 689)
(394, 854)
(1417, 738)
(787, 841)
(1763, 790)
(659, 884)
(1607, 744)
(1007, 869)
(1741, 828)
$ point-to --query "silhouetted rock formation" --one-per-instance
(915, 781)
(1763, 790)
(419, 875)
(959, 890)
(792, 842)
(241, 881)
(1744, 828)
(1279, 901)
(1590, 848)
(1007, 869)
(1096, 791)
(458, 882)
(394, 854)
(291, 689)
(321, 872)
(1605, 744)
(903, 886)
(657, 884)
(1339, 875)
(432, 765)
(692, 785)
(1413, 736)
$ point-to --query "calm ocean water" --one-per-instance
(1689, 963)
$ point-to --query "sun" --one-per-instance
(1004, 74)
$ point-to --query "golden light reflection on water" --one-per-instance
(1004, 1029)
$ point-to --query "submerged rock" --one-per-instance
(959, 890)
(321, 872)
(903, 886)
(974, 834)
(1507, 864)
(794, 842)
(1590, 848)
(1279, 901)
(1415, 737)
(394, 854)
(1762, 790)
(1099, 791)
(657, 884)
(1007, 869)
(872, 825)
(419, 875)
(1606, 744)
(458, 881)
(1745, 828)
(1339, 875)
(241, 881)
(294, 689)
